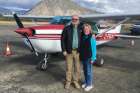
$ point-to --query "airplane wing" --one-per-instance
(122, 18)
(92, 17)
(89, 17)
(30, 17)
(51, 19)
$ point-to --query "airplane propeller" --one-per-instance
(24, 33)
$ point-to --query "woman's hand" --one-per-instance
(91, 62)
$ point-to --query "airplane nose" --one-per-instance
(23, 31)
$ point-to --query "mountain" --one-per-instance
(58, 7)
(6, 11)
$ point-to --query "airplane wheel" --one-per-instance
(99, 62)
(42, 65)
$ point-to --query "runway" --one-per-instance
(18, 73)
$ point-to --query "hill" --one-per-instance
(4, 11)
(58, 7)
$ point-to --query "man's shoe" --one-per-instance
(88, 88)
(76, 84)
(67, 85)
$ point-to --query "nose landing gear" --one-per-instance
(43, 64)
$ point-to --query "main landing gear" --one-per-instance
(100, 61)
(43, 64)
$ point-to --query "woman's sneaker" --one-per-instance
(88, 88)
(83, 85)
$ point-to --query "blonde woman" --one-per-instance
(88, 56)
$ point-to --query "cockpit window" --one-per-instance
(61, 20)
(94, 27)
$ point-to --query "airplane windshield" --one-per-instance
(94, 26)
(61, 20)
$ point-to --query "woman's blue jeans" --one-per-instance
(88, 72)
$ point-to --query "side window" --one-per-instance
(95, 28)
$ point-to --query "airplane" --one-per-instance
(46, 39)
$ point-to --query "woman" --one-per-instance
(88, 56)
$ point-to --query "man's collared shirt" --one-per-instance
(75, 38)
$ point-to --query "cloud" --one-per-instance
(95, 1)
(111, 6)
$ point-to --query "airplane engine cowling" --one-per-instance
(23, 31)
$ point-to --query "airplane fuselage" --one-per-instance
(47, 39)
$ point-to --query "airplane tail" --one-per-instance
(18, 21)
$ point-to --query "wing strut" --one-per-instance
(126, 19)
(33, 49)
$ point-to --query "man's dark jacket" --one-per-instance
(67, 38)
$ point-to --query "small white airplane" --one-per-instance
(47, 38)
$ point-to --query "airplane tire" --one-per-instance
(99, 62)
(42, 66)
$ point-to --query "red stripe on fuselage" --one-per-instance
(106, 36)
(49, 37)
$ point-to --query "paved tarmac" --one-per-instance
(18, 73)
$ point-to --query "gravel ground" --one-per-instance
(18, 73)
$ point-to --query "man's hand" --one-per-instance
(64, 53)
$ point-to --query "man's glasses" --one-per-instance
(75, 19)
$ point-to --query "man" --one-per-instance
(70, 42)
